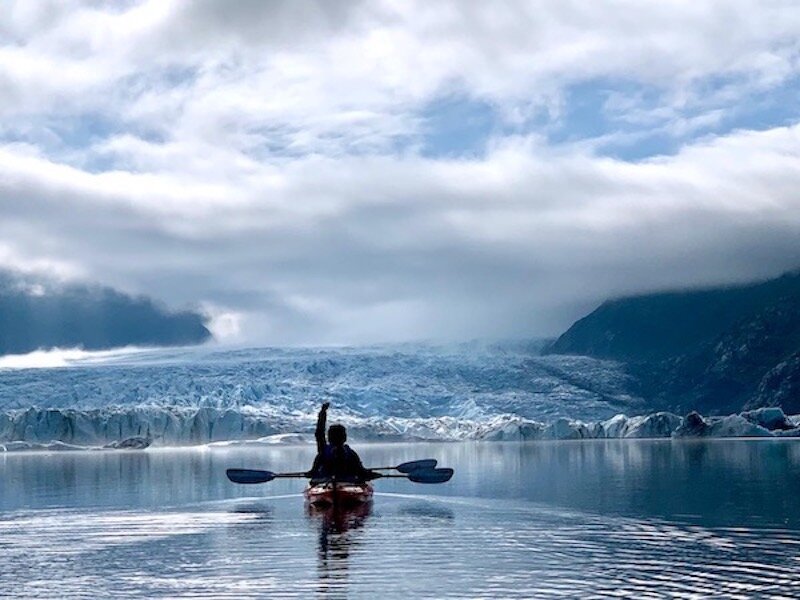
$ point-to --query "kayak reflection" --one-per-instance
(339, 536)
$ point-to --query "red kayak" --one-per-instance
(338, 494)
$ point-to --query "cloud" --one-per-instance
(293, 77)
(297, 167)
(364, 247)
(36, 314)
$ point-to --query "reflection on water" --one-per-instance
(261, 513)
(582, 520)
(338, 537)
(427, 510)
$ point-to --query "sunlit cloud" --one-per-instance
(325, 172)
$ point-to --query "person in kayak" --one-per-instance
(335, 459)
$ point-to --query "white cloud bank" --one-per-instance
(264, 159)
(63, 357)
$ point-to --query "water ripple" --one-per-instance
(401, 547)
(642, 520)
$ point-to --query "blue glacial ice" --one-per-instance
(400, 392)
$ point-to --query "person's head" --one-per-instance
(337, 435)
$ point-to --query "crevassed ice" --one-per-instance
(406, 392)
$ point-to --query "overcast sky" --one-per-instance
(347, 172)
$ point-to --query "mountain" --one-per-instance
(715, 350)
(38, 313)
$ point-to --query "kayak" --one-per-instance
(343, 494)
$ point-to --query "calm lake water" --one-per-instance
(637, 519)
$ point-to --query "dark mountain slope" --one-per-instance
(41, 314)
(669, 324)
(713, 350)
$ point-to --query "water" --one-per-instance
(638, 519)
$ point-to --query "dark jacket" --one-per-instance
(331, 461)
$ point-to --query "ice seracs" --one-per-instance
(772, 418)
(763, 422)
(656, 425)
(134, 443)
(730, 426)
(767, 422)
(122, 428)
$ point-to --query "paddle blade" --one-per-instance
(414, 465)
(431, 475)
(249, 476)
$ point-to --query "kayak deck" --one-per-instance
(332, 494)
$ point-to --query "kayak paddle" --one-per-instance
(248, 476)
(256, 476)
(408, 467)
(426, 475)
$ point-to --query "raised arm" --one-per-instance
(320, 431)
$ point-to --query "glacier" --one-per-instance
(412, 381)
(70, 429)
(481, 391)
(763, 422)
(202, 395)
